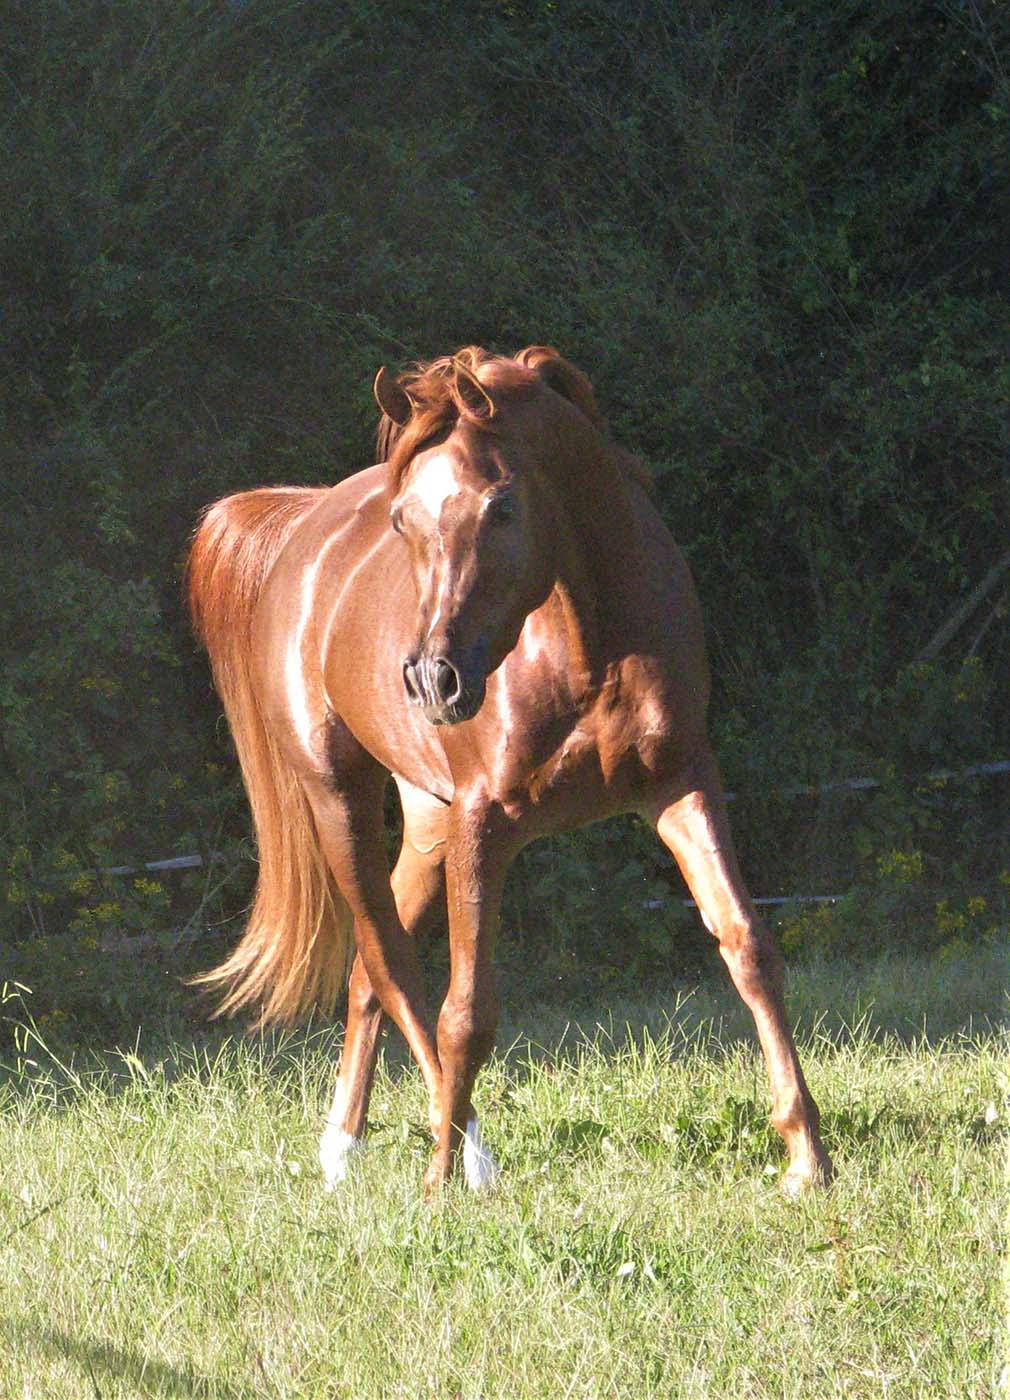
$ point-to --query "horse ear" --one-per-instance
(391, 398)
(562, 376)
(470, 392)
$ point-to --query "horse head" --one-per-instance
(466, 496)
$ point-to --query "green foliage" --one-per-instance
(598, 901)
(774, 236)
(102, 761)
(85, 990)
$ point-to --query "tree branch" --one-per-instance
(963, 611)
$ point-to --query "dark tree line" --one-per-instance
(775, 234)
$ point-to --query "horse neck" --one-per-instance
(596, 549)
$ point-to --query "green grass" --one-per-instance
(163, 1231)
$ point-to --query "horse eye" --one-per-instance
(501, 509)
(396, 520)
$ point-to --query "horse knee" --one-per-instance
(752, 956)
(466, 1029)
(361, 998)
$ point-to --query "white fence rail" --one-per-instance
(939, 775)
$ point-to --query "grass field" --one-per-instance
(163, 1232)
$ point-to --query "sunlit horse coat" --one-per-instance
(496, 616)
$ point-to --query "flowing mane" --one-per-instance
(437, 392)
(472, 384)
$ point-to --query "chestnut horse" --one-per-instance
(496, 616)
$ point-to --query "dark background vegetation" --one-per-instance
(775, 235)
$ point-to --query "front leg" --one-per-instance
(694, 827)
(477, 859)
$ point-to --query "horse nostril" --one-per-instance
(410, 680)
(447, 682)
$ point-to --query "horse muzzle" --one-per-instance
(447, 691)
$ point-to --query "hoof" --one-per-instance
(480, 1170)
(479, 1167)
(338, 1151)
(807, 1176)
(434, 1179)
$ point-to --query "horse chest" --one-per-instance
(609, 762)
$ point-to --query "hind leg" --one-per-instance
(693, 825)
(348, 818)
(343, 1136)
(418, 886)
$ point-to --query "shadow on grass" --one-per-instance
(907, 998)
(101, 1362)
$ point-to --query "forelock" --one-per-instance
(438, 404)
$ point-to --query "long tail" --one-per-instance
(298, 943)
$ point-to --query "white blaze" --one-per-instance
(435, 483)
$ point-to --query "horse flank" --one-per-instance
(297, 946)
